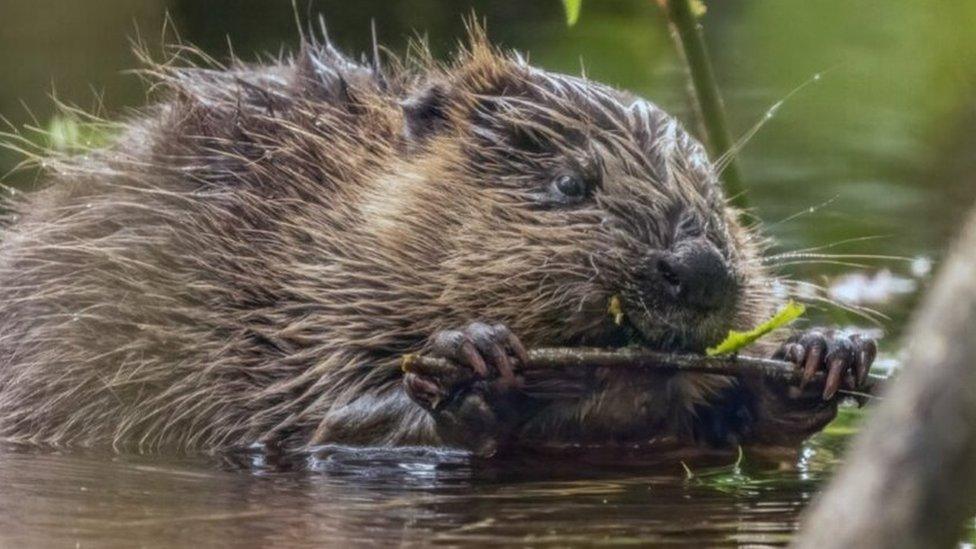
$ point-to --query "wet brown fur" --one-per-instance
(250, 259)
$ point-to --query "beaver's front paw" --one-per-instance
(475, 401)
(846, 359)
(784, 414)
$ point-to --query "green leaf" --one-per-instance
(737, 340)
(66, 133)
(572, 8)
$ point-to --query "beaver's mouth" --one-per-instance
(679, 334)
(659, 340)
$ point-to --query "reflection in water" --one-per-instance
(342, 495)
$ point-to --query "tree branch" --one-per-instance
(570, 359)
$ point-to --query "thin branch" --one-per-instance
(711, 111)
(575, 359)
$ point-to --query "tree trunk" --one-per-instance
(909, 479)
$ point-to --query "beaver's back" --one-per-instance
(158, 292)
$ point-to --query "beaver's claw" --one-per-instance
(474, 401)
(846, 359)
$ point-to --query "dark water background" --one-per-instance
(880, 147)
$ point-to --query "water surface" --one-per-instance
(341, 496)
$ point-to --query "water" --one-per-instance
(341, 496)
(878, 149)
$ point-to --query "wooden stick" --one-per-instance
(573, 358)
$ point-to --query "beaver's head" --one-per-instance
(545, 195)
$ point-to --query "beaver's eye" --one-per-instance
(570, 186)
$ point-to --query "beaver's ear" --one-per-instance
(472, 85)
(425, 113)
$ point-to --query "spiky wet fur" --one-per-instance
(255, 252)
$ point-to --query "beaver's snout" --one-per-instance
(694, 275)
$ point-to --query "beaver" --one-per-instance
(251, 257)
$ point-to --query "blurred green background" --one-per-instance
(885, 137)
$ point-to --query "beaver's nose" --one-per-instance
(695, 275)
